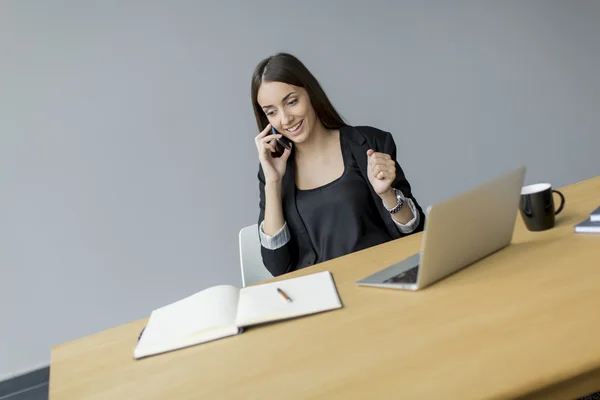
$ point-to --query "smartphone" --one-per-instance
(282, 143)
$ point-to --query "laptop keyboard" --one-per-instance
(408, 276)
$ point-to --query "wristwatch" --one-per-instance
(400, 202)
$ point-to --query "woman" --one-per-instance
(337, 189)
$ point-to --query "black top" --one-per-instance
(304, 247)
(341, 217)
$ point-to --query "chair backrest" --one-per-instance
(253, 269)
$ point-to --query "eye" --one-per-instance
(292, 102)
(270, 112)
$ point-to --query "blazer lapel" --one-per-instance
(360, 146)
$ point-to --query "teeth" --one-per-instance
(293, 128)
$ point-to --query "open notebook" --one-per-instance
(222, 311)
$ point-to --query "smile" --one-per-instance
(296, 128)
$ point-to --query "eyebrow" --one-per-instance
(282, 100)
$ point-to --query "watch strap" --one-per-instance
(400, 200)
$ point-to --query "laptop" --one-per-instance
(458, 232)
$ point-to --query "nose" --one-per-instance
(286, 119)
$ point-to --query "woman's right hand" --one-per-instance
(273, 167)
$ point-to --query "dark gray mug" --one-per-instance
(537, 206)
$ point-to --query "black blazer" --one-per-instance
(298, 252)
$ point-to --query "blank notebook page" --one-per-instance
(310, 294)
(210, 308)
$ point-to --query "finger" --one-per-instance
(386, 174)
(381, 157)
(383, 175)
(267, 143)
(375, 158)
(266, 152)
(258, 138)
(271, 138)
(262, 153)
(262, 143)
(389, 168)
(382, 166)
(286, 153)
(264, 132)
(270, 146)
(376, 169)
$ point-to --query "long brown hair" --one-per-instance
(286, 68)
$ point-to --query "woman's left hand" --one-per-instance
(381, 171)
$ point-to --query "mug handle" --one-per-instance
(562, 202)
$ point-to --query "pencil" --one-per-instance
(284, 295)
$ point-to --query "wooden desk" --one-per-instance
(523, 322)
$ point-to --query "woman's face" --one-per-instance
(288, 109)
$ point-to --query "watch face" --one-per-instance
(400, 198)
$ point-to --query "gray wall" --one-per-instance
(127, 162)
